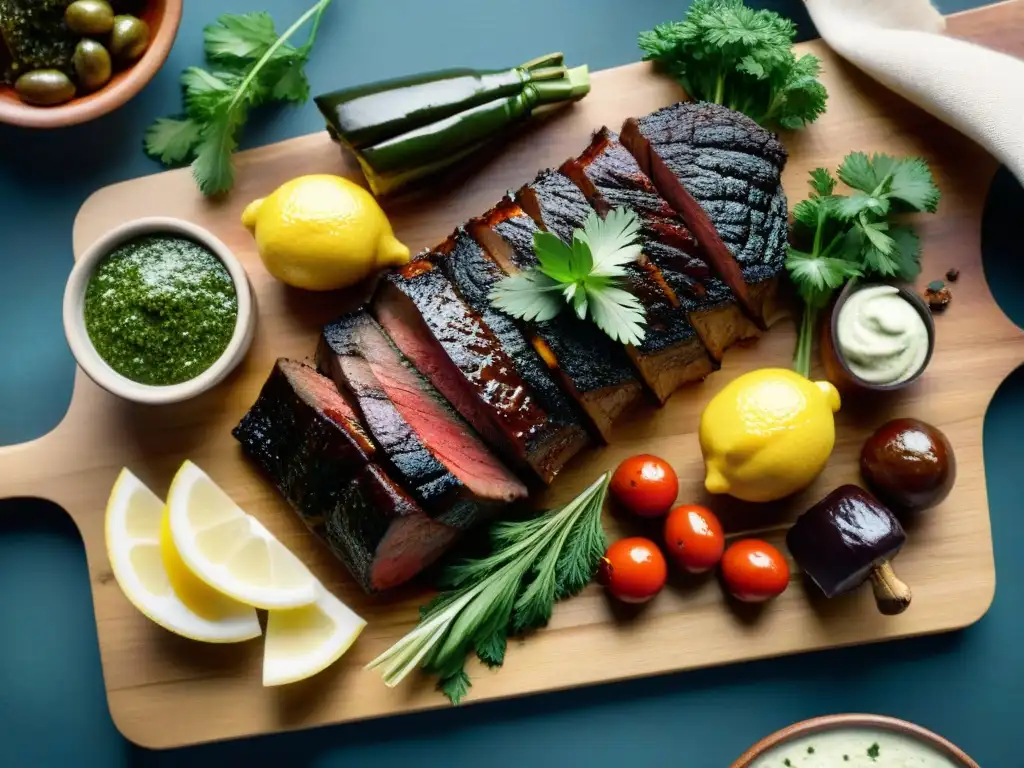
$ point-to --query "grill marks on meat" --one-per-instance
(309, 441)
(448, 343)
(434, 453)
(672, 354)
(722, 172)
(610, 178)
(592, 368)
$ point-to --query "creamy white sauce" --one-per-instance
(881, 336)
(855, 748)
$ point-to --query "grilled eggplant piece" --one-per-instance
(672, 354)
(434, 453)
(610, 178)
(722, 172)
(310, 442)
(592, 368)
(447, 342)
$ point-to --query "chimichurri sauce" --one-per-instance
(35, 36)
(160, 309)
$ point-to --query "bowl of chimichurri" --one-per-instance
(158, 311)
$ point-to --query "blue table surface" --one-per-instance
(966, 685)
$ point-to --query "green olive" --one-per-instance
(89, 17)
(92, 64)
(129, 38)
(45, 87)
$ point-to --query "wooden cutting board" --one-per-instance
(165, 691)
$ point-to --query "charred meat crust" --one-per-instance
(591, 367)
(672, 354)
(307, 439)
(449, 344)
(433, 453)
(721, 172)
(610, 178)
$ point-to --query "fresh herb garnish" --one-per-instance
(251, 66)
(535, 563)
(743, 58)
(848, 236)
(874, 751)
(586, 275)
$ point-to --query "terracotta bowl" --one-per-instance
(836, 369)
(836, 722)
(163, 17)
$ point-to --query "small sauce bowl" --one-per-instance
(836, 369)
(97, 369)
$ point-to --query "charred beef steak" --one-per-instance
(610, 178)
(592, 368)
(309, 441)
(474, 275)
(722, 172)
(435, 454)
(447, 342)
(672, 354)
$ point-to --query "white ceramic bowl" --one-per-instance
(99, 371)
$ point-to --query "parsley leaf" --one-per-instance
(587, 275)
(535, 563)
(730, 54)
(254, 66)
(172, 140)
(842, 237)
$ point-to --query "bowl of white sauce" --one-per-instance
(880, 337)
(854, 741)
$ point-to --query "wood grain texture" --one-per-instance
(165, 691)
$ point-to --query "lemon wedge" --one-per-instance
(133, 520)
(230, 550)
(305, 641)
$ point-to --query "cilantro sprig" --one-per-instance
(586, 275)
(534, 563)
(730, 54)
(850, 236)
(251, 66)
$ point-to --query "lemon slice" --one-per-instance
(229, 550)
(304, 641)
(133, 544)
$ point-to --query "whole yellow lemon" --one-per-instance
(322, 233)
(768, 434)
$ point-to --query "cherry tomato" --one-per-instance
(645, 485)
(634, 570)
(694, 538)
(754, 571)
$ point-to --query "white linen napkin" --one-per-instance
(978, 91)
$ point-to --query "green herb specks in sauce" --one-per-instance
(160, 309)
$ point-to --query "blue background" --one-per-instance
(967, 685)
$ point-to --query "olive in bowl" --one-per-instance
(909, 465)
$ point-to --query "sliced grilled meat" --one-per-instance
(672, 354)
(310, 442)
(474, 275)
(610, 178)
(448, 343)
(435, 454)
(590, 366)
(722, 172)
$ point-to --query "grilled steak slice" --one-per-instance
(592, 368)
(448, 343)
(610, 178)
(672, 354)
(474, 275)
(310, 442)
(722, 172)
(435, 454)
